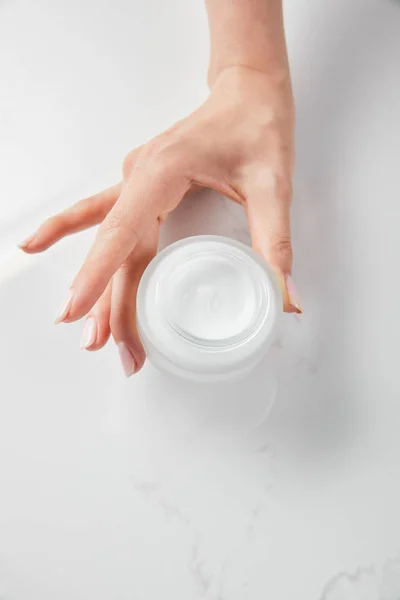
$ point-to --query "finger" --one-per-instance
(268, 210)
(143, 198)
(123, 304)
(97, 325)
(82, 215)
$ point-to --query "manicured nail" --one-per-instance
(294, 298)
(65, 308)
(89, 333)
(27, 241)
(127, 359)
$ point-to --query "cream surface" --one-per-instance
(214, 297)
(208, 307)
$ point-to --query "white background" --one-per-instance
(107, 488)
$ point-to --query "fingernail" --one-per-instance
(65, 308)
(127, 359)
(294, 298)
(27, 241)
(89, 333)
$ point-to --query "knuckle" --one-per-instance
(164, 162)
(127, 165)
(281, 184)
(113, 221)
(284, 190)
(126, 266)
(273, 181)
(55, 222)
(163, 155)
(112, 225)
(84, 212)
(282, 246)
(50, 222)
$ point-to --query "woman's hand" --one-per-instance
(239, 143)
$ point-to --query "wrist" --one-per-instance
(267, 88)
(246, 33)
(265, 94)
(274, 75)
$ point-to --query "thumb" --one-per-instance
(268, 214)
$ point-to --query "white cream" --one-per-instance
(213, 297)
(207, 308)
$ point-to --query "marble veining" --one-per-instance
(149, 489)
(366, 583)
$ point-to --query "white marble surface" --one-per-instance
(121, 490)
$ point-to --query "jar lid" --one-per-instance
(207, 306)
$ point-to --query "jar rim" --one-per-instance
(163, 345)
(222, 343)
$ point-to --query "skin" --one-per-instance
(239, 143)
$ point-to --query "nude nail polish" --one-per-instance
(294, 298)
(65, 308)
(127, 359)
(89, 333)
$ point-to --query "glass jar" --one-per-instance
(208, 308)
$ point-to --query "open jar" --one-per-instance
(208, 309)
